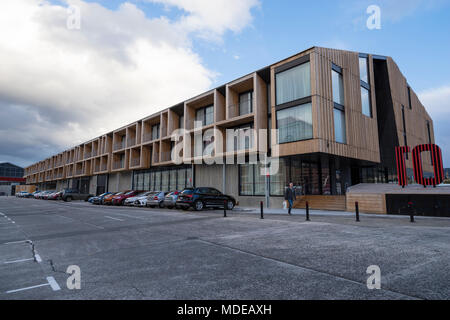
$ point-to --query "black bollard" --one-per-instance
(357, 211)
(307, 211)
(225, 209)
(411, 212)
(262, 210)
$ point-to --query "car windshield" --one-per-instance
(118, 193)
(188, 191)
(128, 193)
(103, 194)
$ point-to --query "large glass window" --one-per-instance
(293, 84)
(173, 180)
(165, 180)
(245, 103)
(366, 106)
(363, 69)
(339, 102)
(338, 87)
(294, 123)
(204, 116)
(365, 101)
(155, 132)
(246, 187)
(278, 180)
(241, 138)
(339, 126)
(181, 179)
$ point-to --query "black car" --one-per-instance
(200, 198)
(74, 194)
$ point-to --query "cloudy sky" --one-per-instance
(60, 85)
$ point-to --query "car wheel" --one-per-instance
(161, 205)
(68, 199)
(198, 205)
(230, 205)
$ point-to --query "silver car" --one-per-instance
(156, 199)
(131, 201)
(170, 199)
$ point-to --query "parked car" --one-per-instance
(22, 194)
(107, 200)
(132, 200)
(118, 200)
(31, 195)
(99, 199)
(44, 195)
(200, 198)
(156, 199)
(74, 194)
(170, 200)
(54, 195)
(142, 201)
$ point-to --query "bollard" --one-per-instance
(307, 211)
(357, 211)
(262, 210)
(225, 209)
(411, 212)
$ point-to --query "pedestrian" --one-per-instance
(290, 196)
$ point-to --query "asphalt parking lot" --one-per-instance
(138, 253)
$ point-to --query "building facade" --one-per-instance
(338, 117)
(10, 176)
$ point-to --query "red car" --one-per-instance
(119, 199)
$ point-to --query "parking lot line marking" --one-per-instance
(28, 288)
(52, 282)
(16, 261)
(113, 218)
(14, 242)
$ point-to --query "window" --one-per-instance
(339, 126)
(245, 103)
(363, 69)
(339, 102)
(409, 97)
(366, 106)
(365, 102)
(405, 139)
(181, 122)
(338, 87)
(252, 182)
(241, 138)
(155, 132)
(294, 123)
(293, 84)
(204, 116)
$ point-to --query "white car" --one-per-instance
(131, 201)
(142, 201)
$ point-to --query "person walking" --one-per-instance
(290, 196)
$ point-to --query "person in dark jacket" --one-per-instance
(290, 196)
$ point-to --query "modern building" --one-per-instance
(10, 176)
(339, 116)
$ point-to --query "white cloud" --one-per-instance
(73, 85)
(437, 103)
(212, 18)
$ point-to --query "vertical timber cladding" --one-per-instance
(362, 131)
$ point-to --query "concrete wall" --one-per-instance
(120, 181)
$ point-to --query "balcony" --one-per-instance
(87, 155)
(79, 172)
(135, 162)
(119, 145)
(131, 142)
(118, 165)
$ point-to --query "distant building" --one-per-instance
(10, 176)
(447, 173)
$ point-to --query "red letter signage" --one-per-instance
(436, 158)
(401, 165)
